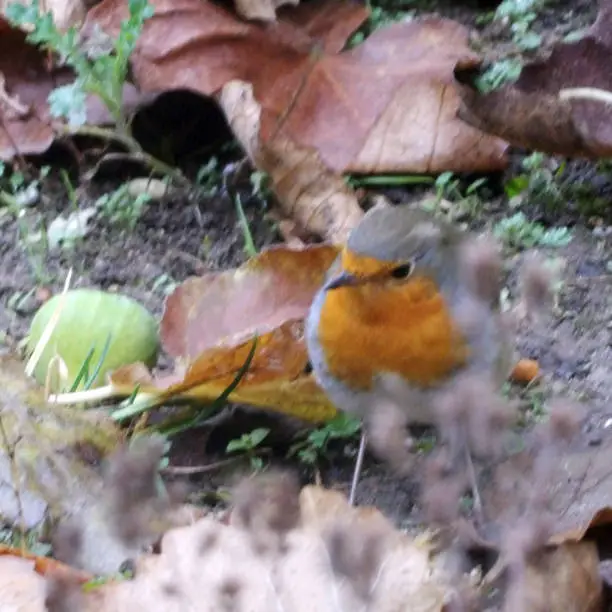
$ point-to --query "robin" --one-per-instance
(399, 317)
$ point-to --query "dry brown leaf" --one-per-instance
(206, 564)
(264, 10)
(66, 13)
(274, 287)
(200, 46)
(387, 105)
(529, 113)
(209, 324)
(583, 495)
(317, 198)
(574, 486)
(564, 579)
(21, 588)
(44, 565)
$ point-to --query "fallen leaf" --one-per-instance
(530, 113)
(21, 586)
(265, 10)
(274, 287)
(209, 324)
(199, 568)
(25, 84)
(65, 13)
(574, 484)
(43, 565)
(317, 198)
(564, 579)
(200, 46)
(387, 105)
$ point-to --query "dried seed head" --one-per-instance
(472, 411)
(356, 552)
(268, 504)
(442, 490)
(481, 267)
(133, 501)
(537, 282)
(207, 542)
(67, 542)
(63, 593)
(565, 419)
(132, 471)
(387, 435)
(229, 592)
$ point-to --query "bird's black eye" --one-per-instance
(403, 271)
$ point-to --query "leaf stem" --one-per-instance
(134, 148)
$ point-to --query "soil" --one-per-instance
(186, 234)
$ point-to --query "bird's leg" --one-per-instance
(358, 466)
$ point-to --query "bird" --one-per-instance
(390, 322)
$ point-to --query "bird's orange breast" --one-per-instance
(405, 329)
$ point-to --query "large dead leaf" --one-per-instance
(209, 324)
(200, 566)
(530, 112)
(66, 13)
(386, 106)
(563, 579)
(576, 486)
(316, 198)
(261, 9)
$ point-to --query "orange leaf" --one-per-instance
(46, 565)
(225, 308)
(209, 324)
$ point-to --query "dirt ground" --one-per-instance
(187, 234)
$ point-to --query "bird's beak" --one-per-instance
(344, 279)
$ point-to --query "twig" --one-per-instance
(186, 470)
(586, 93)
(135, 151)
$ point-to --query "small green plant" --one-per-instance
(121, 208)
(448, 189)
(519, 232)
(314, 446)
(101, 72)
(31, 541)
(520, 15)
(249, 243)
(18, 194)
(499, 73)
(249, 443)
(540, 183)
(209, 178)
(260, 184)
